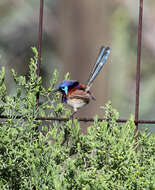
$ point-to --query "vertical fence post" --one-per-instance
(138, 64)
(40, 41)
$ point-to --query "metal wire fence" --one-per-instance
(137, 93)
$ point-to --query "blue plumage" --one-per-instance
(67, 84)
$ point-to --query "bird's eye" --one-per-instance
(63, 88)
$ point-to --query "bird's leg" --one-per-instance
(73, 114)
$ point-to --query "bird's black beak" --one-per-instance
(55, 90)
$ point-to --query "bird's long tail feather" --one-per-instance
(101, 59)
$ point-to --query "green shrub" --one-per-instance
(52, 155)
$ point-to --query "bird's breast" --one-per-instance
(76, 103)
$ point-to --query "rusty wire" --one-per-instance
(137, 121)
(82, 119)
(40, 42)
(138, 64)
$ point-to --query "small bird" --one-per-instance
(76, 94)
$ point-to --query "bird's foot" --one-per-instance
(73, 115)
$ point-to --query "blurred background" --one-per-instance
(72, 35)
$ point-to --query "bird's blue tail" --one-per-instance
(101, 59)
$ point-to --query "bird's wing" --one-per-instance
(80, 94)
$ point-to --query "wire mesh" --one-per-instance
(139, 42)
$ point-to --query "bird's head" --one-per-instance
(66, 85)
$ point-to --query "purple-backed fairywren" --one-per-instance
(76, 94)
